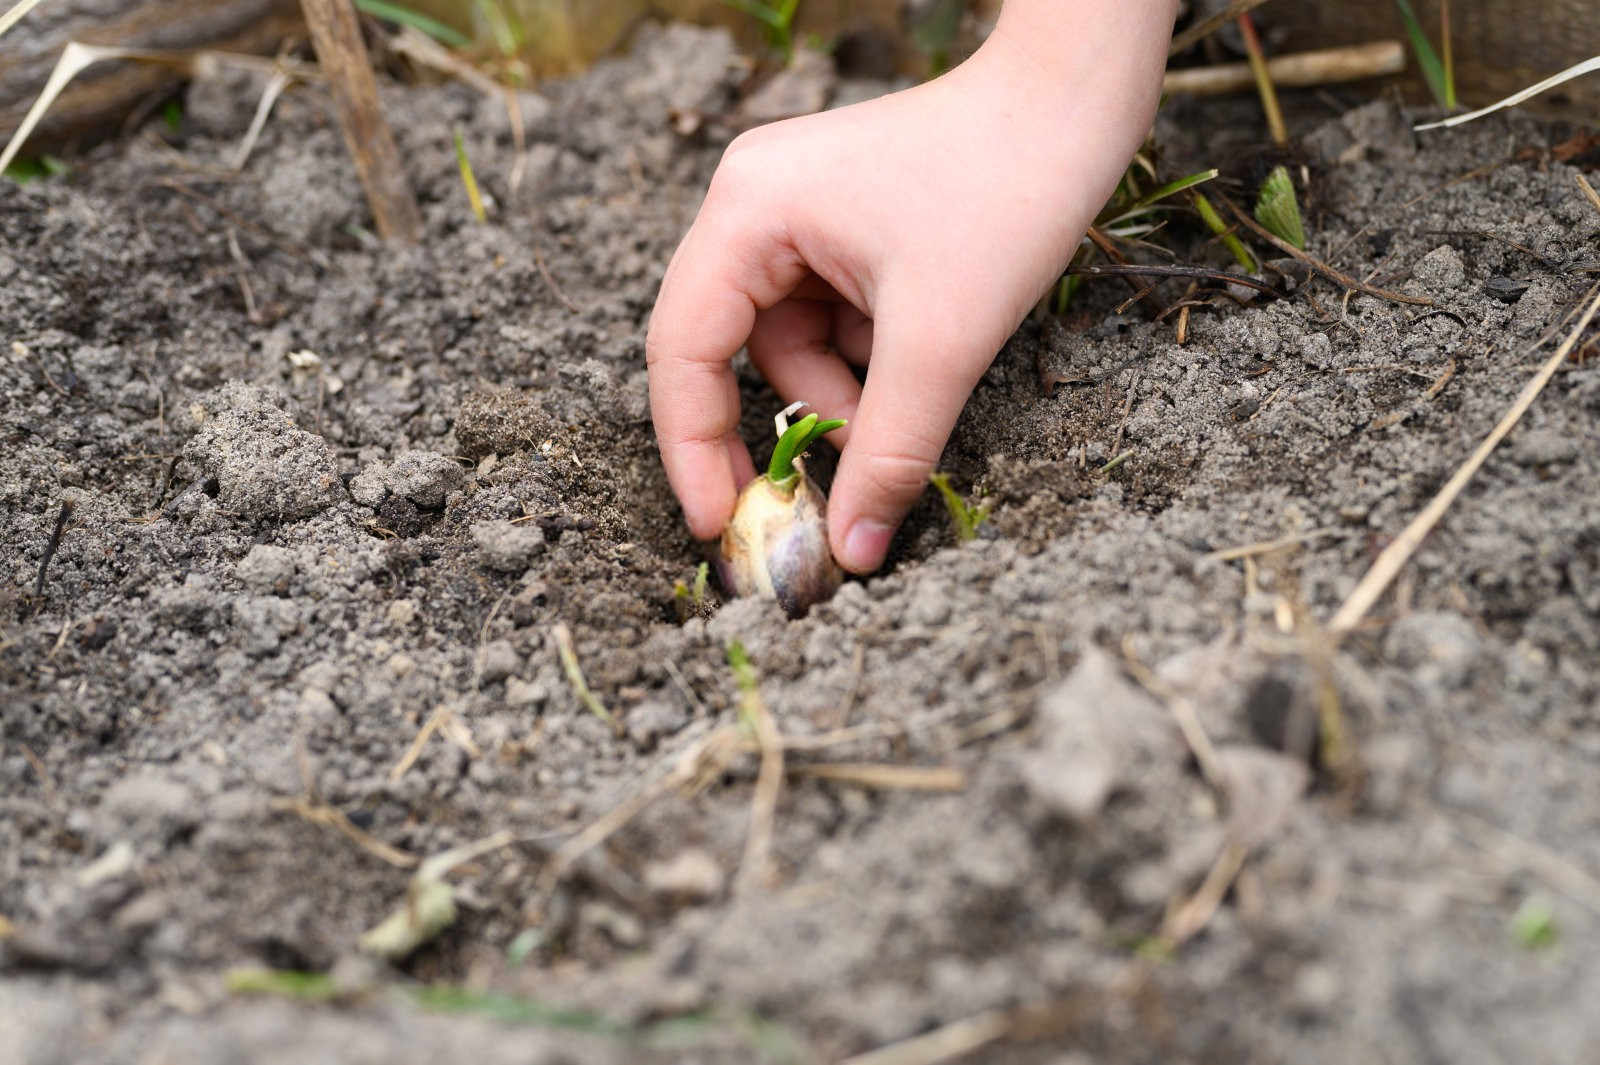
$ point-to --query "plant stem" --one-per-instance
(1269, 95)
(1230, 240)
(1447, 56)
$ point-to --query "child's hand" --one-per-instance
(909, 236)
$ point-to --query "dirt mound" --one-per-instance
(305, 627)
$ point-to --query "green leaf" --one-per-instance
(23, 171)
(1144, 203)
(1278, 210)
(1440, 83)
(448, 36)
(794, 443)
(777, 20)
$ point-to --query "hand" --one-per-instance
(907, 236)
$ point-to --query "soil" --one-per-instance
(280, 568)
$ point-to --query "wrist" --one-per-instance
(1085, 48)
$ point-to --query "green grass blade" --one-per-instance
(1150, 199)
(448, 36)
(1439, 82)
(284, 983)
(474, 196)
(509, 1009)
(503, 26)
(767, 16)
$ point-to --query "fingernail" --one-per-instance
(865, 545)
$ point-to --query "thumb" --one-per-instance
(917, 383)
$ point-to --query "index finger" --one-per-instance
(733, 263)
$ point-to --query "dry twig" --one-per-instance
(1302, 69)
(1196, 912)
(318, 813)
(1344, 280)
(1395, 556)
(755, 867)
(574, 672)
(336, 34)
(1266, 547)
(885, 777)
(1588, 189)
(1211, 24)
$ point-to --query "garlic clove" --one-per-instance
(776, 544)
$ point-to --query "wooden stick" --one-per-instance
(1211, 24)
(343, 57)
(1397, 554)
(1322, 67)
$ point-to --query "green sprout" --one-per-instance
(1439, 73)
(744, 674)
(778, 18)
(1534, 924)
(793, 443)
(504, 26)
(474, 197)
(35, 169)
(966, 518)
(1278, 210)
(448, 36)
(1127, 214)
(691, 598)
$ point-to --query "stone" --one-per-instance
(1440, 270)
(520, 693)
(507, 547)
(691, 875)
(497, 660)
(266, 468)
(1096, 732)
(266, 569)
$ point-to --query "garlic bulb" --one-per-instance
(776, 544)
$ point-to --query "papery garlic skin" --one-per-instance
(776, 544)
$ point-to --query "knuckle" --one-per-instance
(739, 173)
(897, 474)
